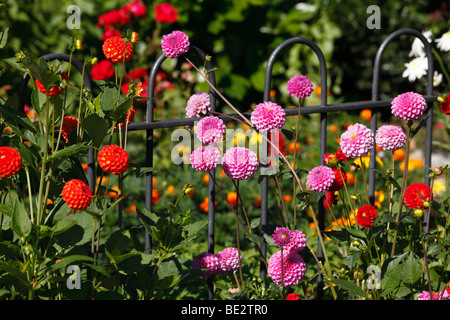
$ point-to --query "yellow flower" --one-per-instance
(366, 161)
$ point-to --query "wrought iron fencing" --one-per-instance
(375, 104)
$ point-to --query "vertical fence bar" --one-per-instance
(323, 137)
(149, 151)
(87, 82)
(428, 114)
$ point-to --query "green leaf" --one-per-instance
(12, 268)
(195, 227)
(121, 110)
(350, 287)
(412, 270)
(108, 101)
(64, 225)
(21, 223)
(96, 127)
(70, 260)
(167, 269)
(69, 151)
(6, 209)
(3, 37)
(357, 233)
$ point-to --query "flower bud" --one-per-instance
(358, 274)
(78, 44)
(437, 171)
(134, 37)
(418, 213)
(441, 99)
(354, 196)
(94, 60)
(356, 243)
(188, 190)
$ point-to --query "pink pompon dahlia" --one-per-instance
(356, 141)
(268, 116)
(175, 44)
(239, 163)
(320, 178)
(205, 158)
(390, 137)
(282, 236)
(299, 86)
(297, 242)
(208, 261)
(210, 129)
(408, 106)
(198, 105)
(229, 260)
(294, 268)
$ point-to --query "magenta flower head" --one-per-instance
(390, 137)
(229, 260)
(239, 163)
(299, 86)
(205, 158)
(208, 261)
(198, 105)
(296, 243)
(210, 129)
(282, 236)
(320, 178)
(175, 44)
(268, 116)
(408, 106)
(356, 141)
(294, 268)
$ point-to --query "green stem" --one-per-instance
(404, 184)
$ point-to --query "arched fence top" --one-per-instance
(382, 48)
(156, 66)
(288, 42)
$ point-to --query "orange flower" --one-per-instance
(287, 198)
(232, 197)
(205, 178)
(293, 145)
(334, 128)
(258, 201)
(114, 193)
(399, 154)
(205, 204)
(171, 190)
(131, 208)
(366, 114)
(350, 178)
(412, 164)
(156, 196)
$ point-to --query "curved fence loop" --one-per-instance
(87, 82)
(323, 134)
(375, 97)
(149, 150)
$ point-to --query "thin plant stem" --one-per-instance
(294, 185)
(404, 184)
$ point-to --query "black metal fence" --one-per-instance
(375, 104)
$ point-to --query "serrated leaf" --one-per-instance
(96, 127)
(350, 287)
(69, 151)
(411, 270)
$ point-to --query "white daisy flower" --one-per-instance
(416, 68)
(443, 43)
(437, 78)
(417, 46)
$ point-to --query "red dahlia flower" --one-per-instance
(113, 159)
(445, 105)
(416, 194)
(114, 49)
(165, 12)
(54, 90)
(340, 179)
(365, 215)
(77, 194)
(10, 161)
(102, 70)
(69, 124)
